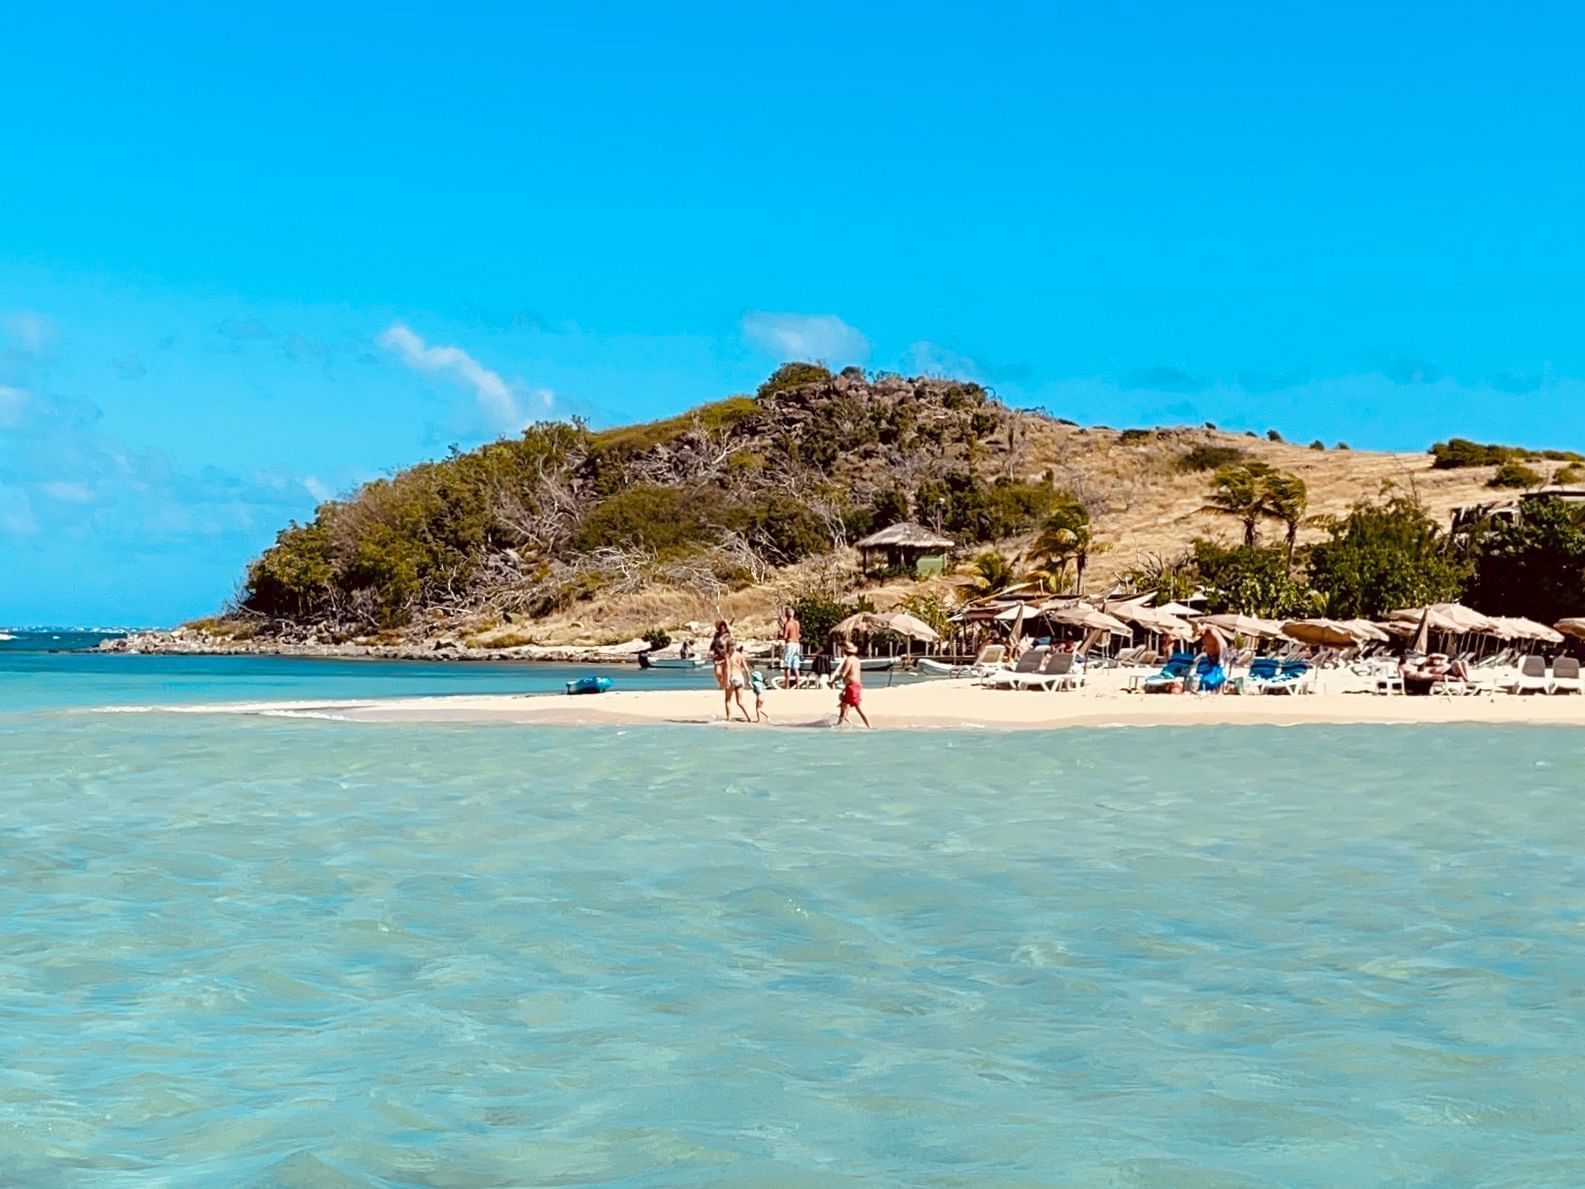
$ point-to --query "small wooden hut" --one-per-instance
(907, 546)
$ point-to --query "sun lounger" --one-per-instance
(1566, 676)
(1026, 674)
(1293, 677)
(1532, 677)
(1065, 673)
(1262, 671)
(1176, 669)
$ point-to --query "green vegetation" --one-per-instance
(1273, 436)
(1252, 491)
(792, 375)
(990, 574)
(1252, 579)
(1514, 474)
(708, 500)
(1461, 452)
(1066, 539)
(1570, 474)
(657, 638)
(1533, 566)
(1383, 556)
(1318, 444)
(1211, 458)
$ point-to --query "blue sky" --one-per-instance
(254, 255)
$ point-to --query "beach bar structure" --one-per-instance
(907, 546)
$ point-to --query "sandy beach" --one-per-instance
(1104, 701)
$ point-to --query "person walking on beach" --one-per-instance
(737, 680)
(850, 680)
(792, 648)
(721, 651)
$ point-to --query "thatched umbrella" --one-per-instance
(908, 625)
(1363, 629)
(1088, 617)
(1241, 625)
(1520, 628)
(1325, 632)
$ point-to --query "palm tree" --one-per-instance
(1066, 537)
(992, 574)
(1287, 500)
(1239, 491)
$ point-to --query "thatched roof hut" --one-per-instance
(906, 535)
(908, 546)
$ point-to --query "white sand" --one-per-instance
(1104, 701)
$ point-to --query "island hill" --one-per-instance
(571, 536)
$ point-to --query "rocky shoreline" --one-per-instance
(187, 642)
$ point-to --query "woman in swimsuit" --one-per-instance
(720, 651)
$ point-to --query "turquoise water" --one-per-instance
(246, 951)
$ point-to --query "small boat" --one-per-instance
(878, 664)
(645, 661)
(931, 667)
(589, 685)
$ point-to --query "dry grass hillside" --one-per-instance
(1142, 504)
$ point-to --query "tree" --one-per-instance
(1239, 491)
(991, 573)
(1535, 565)
(1250, 579)
(1382, 556)
(1287, 500)
(1066, 538)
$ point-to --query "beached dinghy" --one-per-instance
(589, 685)
(645, 661)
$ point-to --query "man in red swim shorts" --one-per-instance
(850, 680)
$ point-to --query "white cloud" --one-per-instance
(500, 403)
(806, 338)
(11, 402)
(925, 358)
(30, 333)
(316, 489)
(64, 492)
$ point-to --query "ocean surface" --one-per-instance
(239, 950)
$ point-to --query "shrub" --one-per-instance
(1136, 435)
(657, 638)
(792, 375)
(648, 516)
(1273, 436)
(1211, 458)
(1516, 475)
(1318, 444)
(1461, 452)
(1569, 474)
(1344, 446)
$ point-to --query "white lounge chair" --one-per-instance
(1028, 673)
(1566, 676)
(1532, 677)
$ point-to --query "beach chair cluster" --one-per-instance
(1533, 676)
(1265, 675)
(1039, 668)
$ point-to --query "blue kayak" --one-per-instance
(589, 685)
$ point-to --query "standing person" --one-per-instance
(792, 648)
(721, 651)
(850, 680)
(756, 681)
(737, 680)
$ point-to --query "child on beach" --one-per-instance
(756, 681)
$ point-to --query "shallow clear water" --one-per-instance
(263, 951)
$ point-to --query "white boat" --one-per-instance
(673, 662)
(931, 667)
